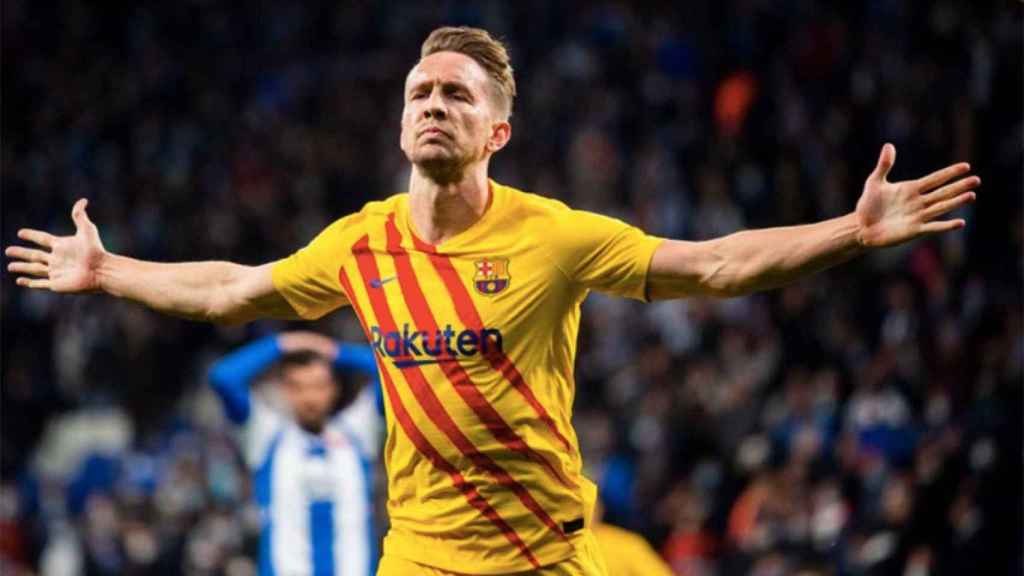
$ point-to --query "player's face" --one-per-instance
(450, 119)
(311, 391)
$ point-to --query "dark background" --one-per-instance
(866, 421)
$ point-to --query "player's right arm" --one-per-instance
(222, 292)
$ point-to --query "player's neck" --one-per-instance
(440, 211)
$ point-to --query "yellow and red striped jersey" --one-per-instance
(475, 341)
(628, 554)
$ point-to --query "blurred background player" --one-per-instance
(313, 478)
(626, 553)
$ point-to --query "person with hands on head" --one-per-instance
(311, 463)
(470, 292)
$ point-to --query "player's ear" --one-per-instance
(501, 132)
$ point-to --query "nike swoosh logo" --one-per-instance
(380, 282)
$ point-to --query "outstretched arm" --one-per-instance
(888, 213)
(221, 292)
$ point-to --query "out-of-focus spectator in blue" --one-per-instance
(865, 422)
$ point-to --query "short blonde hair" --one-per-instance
(488, 52)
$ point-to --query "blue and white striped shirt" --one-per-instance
(315, 492)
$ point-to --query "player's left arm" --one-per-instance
(888, 213)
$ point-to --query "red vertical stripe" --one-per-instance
(429, 401)
(456, 374)
(469, 316)
(424, 447)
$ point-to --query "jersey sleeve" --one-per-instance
(232, 375)
(364, 421)
(358, 357)
(605, 254)
(308, 279)
(257, 433)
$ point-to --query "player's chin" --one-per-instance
(439, 165)
(312, 422)
(433, 152)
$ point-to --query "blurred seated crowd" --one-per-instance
(863, 422)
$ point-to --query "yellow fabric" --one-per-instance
(475, 339)
(308, 279)
(628, 554)
(588, 561)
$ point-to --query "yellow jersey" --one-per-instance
(627, 553)
(475, 340)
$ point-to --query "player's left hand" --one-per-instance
(890, 213)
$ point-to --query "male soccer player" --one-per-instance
(469, 292)
(312, 476)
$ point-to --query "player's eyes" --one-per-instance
(457, 93)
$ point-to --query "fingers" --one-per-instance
(28, 254)
(31, 268)
(78, 213)
(951, 190)
(943, 226)
(44, 239)
(940, 177)
(35, 263)
(33, 283)
(885, 161)
(940, 208)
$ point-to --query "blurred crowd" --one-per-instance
(863, 422)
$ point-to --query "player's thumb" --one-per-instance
(885, 161)
(79, 216)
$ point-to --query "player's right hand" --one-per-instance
(68, 264)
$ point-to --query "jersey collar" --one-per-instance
(468, 237)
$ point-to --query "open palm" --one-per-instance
(60, 263)
(890, 213)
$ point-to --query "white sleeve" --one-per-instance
(364, 423)
(257, 433)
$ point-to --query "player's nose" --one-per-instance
(437, 113)
(435, 106)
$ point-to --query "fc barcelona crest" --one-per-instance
(491, 275)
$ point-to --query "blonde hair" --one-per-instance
(488, 52)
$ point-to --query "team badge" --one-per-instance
(491, 275)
